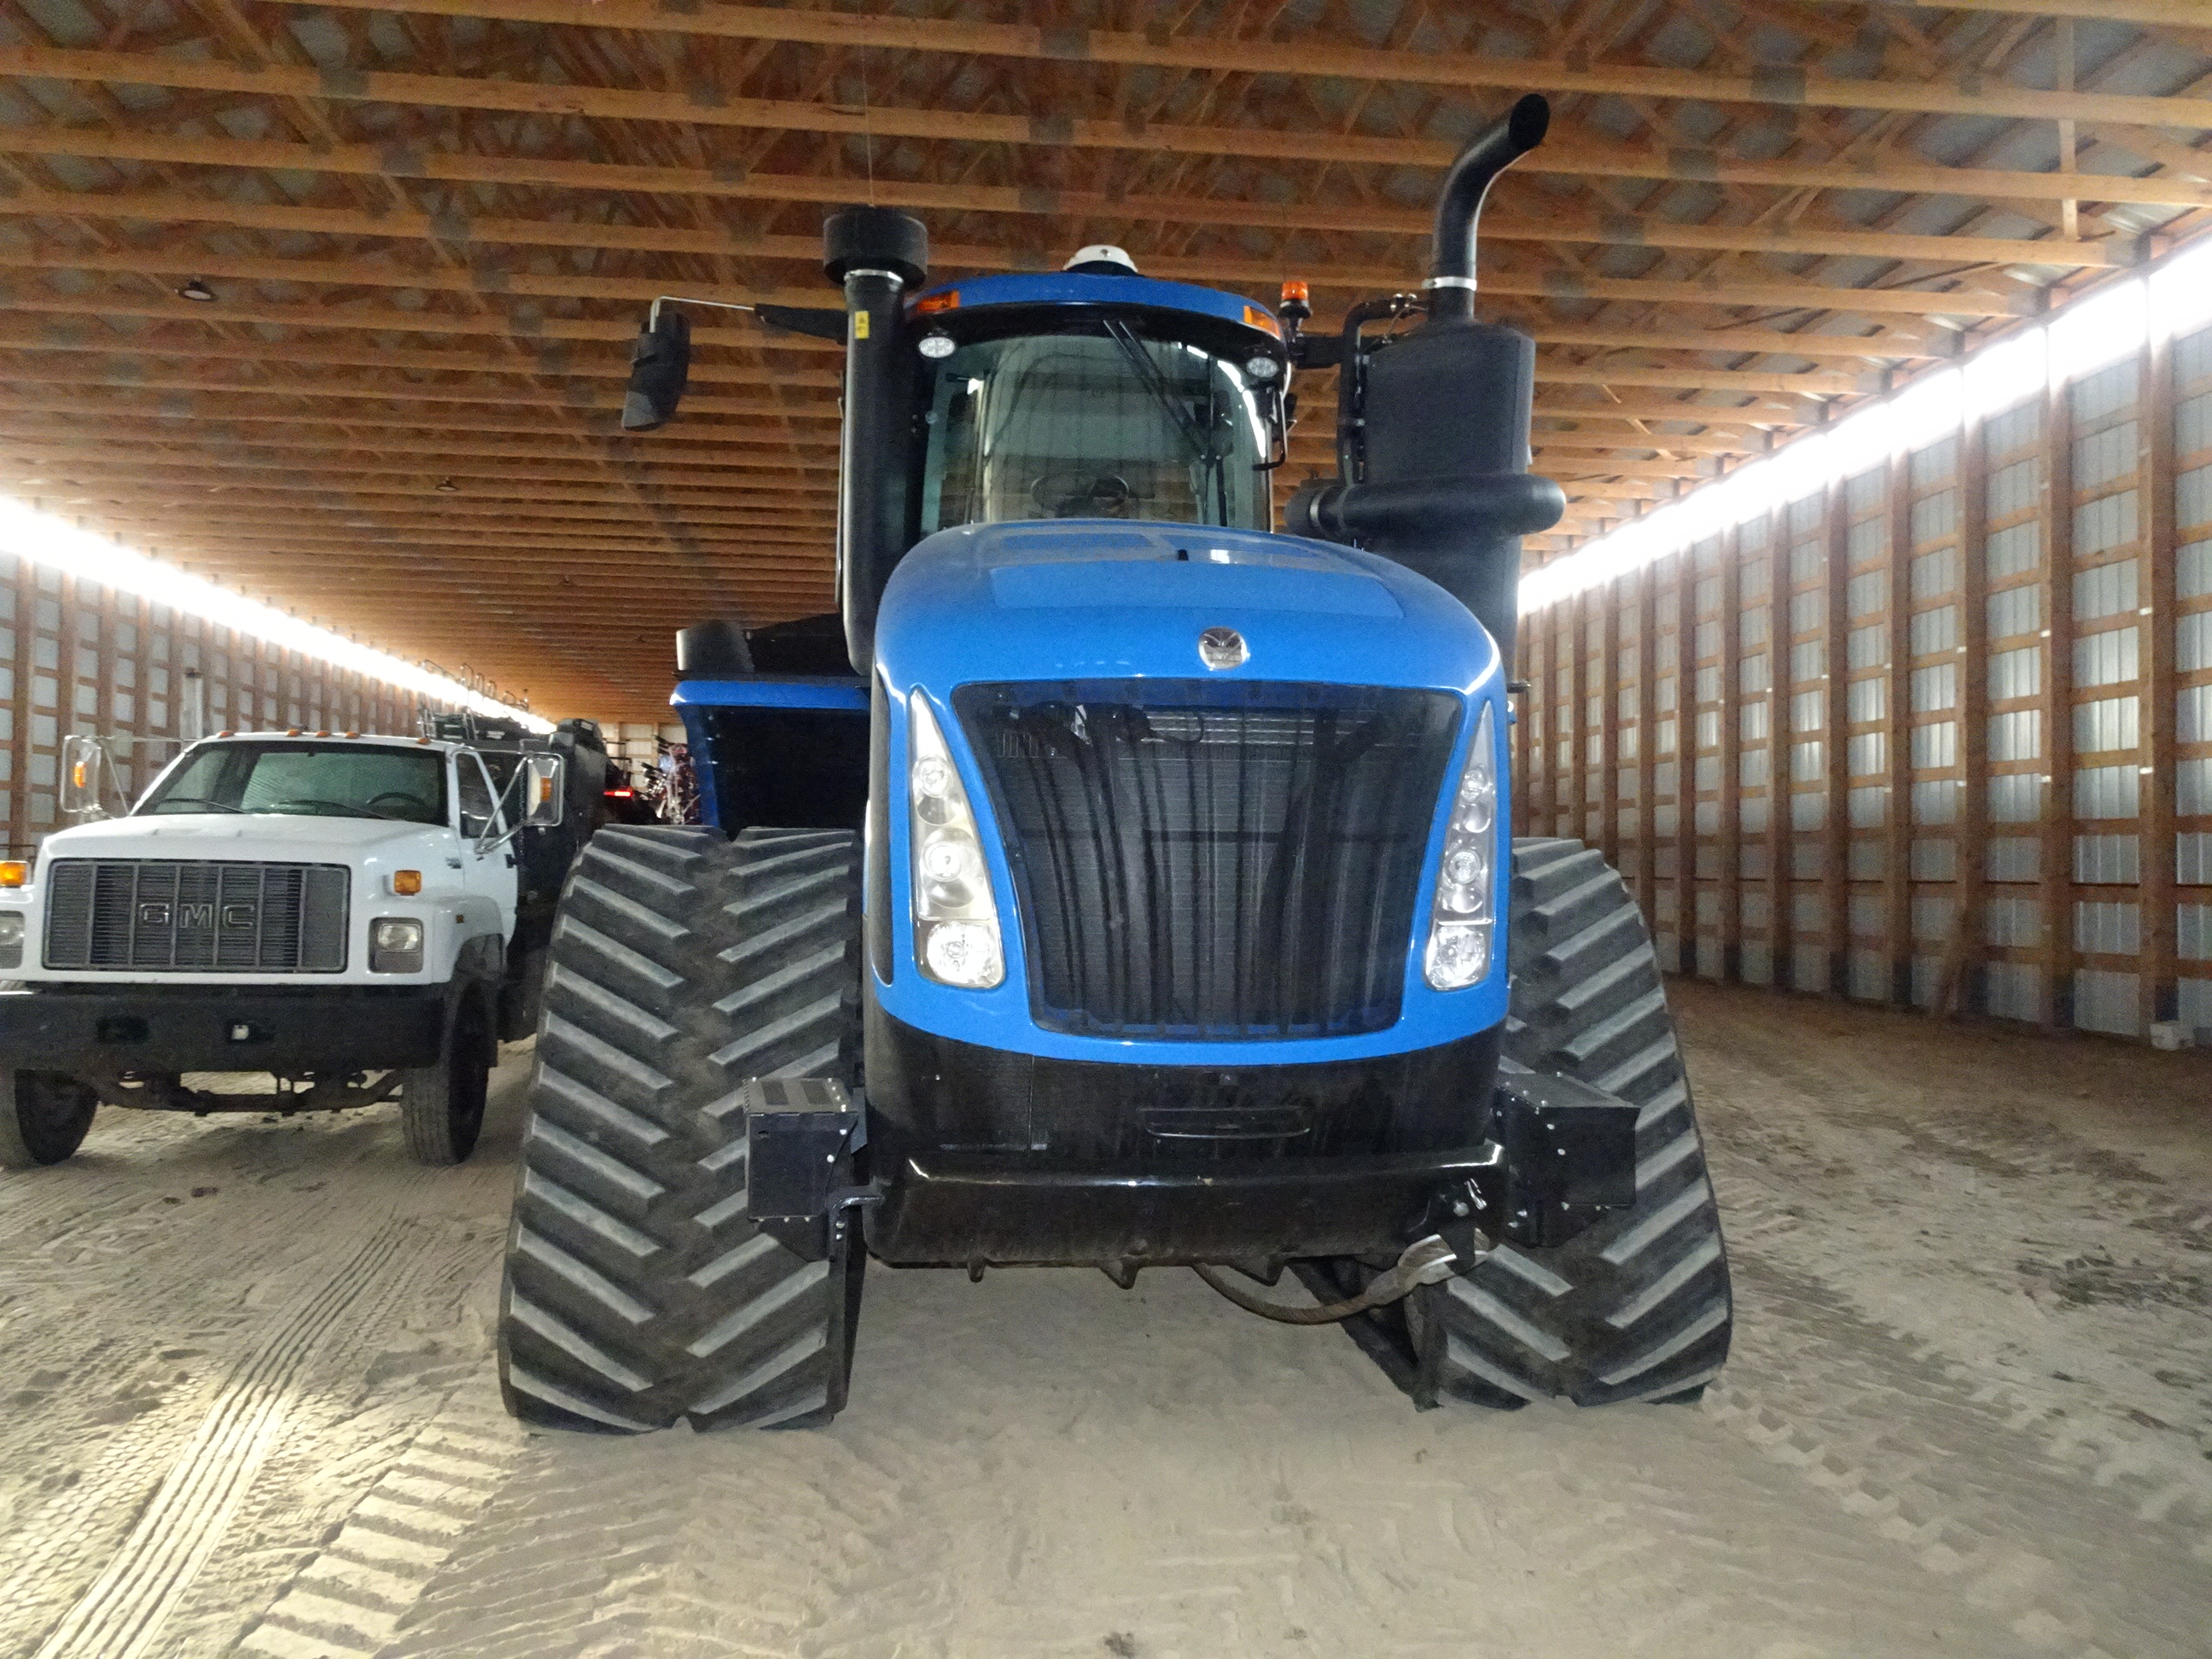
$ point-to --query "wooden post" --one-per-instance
(1897, 735)
(2159, 989)
(1953, 980)
(2054, 1007)
(1731, 749)
(1686, 760)
(1647, 741)
(1780, 920)
(1607, 676)
(1836, 833)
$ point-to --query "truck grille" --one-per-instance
(171, 915)
(1194, 860)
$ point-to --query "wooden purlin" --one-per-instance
(1161, 47)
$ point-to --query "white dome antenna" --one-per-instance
(1102, 259)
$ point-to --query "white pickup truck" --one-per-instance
(338, 912)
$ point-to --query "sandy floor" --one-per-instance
(247, 1408)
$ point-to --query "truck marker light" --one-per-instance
(406, 883)
(956, 921)
(1463, 916)
(14, 872)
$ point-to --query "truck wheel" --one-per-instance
(441, 1107)
(637, 1292)
(44, 1117)
(1637, 1307)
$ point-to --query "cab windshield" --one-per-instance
(1094, 422)
(309, 779)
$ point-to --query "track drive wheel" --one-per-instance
(43, 1118)
(637, 1292)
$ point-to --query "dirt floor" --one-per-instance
(249, 1407)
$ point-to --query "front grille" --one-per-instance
(173, 915)
(1194, 860)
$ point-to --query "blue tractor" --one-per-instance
(1116, 881)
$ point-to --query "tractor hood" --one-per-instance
(1077, 598)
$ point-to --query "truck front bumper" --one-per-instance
(327, 1029)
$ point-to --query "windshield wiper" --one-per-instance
(1149, 376)
(192, 800)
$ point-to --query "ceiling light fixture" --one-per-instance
(195, 288)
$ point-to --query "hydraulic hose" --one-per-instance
(1426, 1262)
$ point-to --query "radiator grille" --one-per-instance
(1198, 860)
(172, 915)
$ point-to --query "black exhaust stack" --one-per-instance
(1433, 451)
(876, 254)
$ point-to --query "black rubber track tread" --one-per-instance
(683, 965)
(1637, 1308)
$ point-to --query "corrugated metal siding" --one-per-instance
(77, 657)
(1854, 841)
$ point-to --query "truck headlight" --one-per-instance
(11, 939)
(395, 945)
(956, 921)
(1464, 916)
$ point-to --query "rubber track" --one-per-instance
(636, 1294)
(1637, 1308)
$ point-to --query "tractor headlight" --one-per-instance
(1463, 918)
(956, 922)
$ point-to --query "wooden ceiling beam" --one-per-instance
(1760, 412)
(614, 365)
(195, 476)
(1892, 171)
(463, 233)
(1716, 290)
(544, 333)
(1230, 54)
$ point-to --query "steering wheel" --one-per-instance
(422, 807)
(1101, 495)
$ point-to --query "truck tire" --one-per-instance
(441, 1106)
(637, 1291)
(1637, 1307)
(43, 1118)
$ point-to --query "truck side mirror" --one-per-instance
(659, 368)
(545, 790)
(81, 759)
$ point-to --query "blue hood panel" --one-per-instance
(1070, 599)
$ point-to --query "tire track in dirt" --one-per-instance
(128, 1326)
(348, 1601)
(1988, 1192)
(121, 1616)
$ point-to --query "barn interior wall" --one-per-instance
(1940, 731)
(78, 656)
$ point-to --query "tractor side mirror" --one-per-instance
(659, 368)
(81, 759)
(545, 790)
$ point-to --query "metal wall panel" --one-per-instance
(1886, 734)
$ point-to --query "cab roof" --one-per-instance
(1081, 289)
(387, 740)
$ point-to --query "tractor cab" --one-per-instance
(1094, 392)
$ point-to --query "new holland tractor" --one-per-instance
(1115, 881)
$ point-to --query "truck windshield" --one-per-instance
(1093, 422)
(342, 780)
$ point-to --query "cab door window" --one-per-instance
(479, 807)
